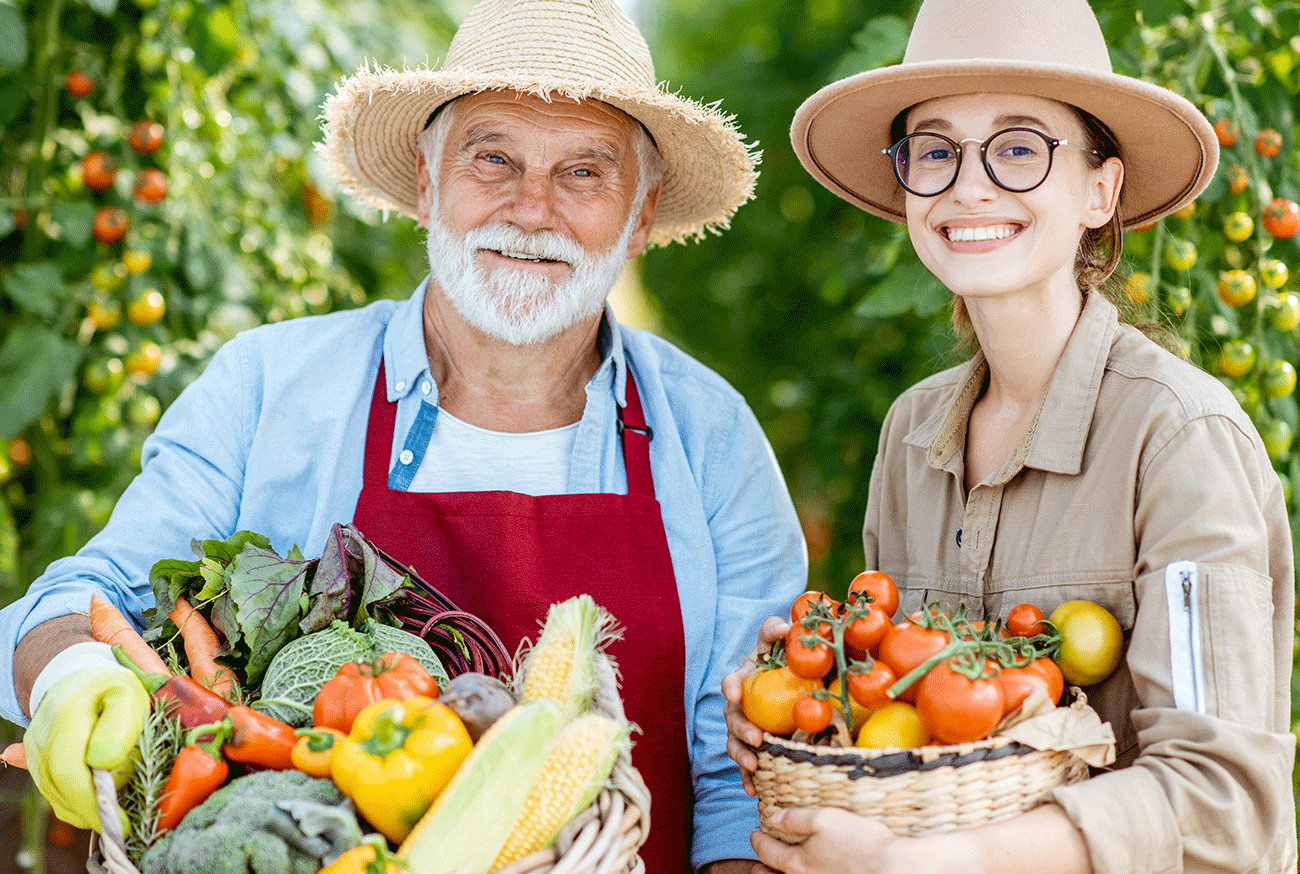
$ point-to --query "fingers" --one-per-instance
(117, 729)
(65, 780)
(772, 630)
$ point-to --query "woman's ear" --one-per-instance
(1103, 193)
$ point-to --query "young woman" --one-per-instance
(1071, 457)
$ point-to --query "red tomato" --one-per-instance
(110, 224)
(1025, 620)
(812, 714)
(956, 709)
(805, 602)
(1282, 218)
(905, 646)
(97, 171)
(808, 662)
(864, 635)
(146, 137)
(1051, 671)
(868, 689)
(150, 185)
(879, 587)
(78, 83)
(1018, 683)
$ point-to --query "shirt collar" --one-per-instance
(406, 359)
(1056, 439)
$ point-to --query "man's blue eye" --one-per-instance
(936, 154)
(584, 173)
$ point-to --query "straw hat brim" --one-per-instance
(373, 118)
(1168, 147)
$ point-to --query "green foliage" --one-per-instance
(247, 231)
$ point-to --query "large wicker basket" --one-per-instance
(603, 839)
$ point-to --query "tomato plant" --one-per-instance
(1268, 142)
(1227, 131)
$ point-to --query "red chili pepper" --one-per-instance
(191, 703)
(258, 739)
(199, 771)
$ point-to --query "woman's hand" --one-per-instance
(835, 842)
(743, 735)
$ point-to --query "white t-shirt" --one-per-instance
(466, 458)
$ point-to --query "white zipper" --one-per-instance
(1184, 636)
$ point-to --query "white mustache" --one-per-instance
(512, 242)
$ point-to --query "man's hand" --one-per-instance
(742, 735)
(89, 719)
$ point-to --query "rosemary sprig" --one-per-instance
(160, 740)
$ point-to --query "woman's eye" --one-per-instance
(936, 154)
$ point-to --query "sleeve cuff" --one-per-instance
(87, 654)
(1119, 842)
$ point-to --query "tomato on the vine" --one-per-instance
(1025, 620)
(1236, 358)
(78, 83)
(147, 308)
(1238, 227)
(807, 600)
(1277, 437)
(146, 137)
(1273, 272)
(1268, 142)
(956, 709)
(863, 635)
(150, 185)
(1285, 313)
(110, 224)
(1018, 683)
(906, 646)
(1279, 378)
(1139, 286)
(1227, 131)
(1236, 287)
(97, 171)
(868, 687)
(1091, 641)
(1180, 254)
(1238, 181)
(879, 586)
(1282, 218)
(812, 714)
(144, 359)
(859, 712)
(769, 696)
(809, 662)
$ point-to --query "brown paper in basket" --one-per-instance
(1076, 728)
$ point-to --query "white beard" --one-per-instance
(519, 306)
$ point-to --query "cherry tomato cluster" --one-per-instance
(934, 676)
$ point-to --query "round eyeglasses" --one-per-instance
(1017, 159)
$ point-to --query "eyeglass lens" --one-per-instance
(1017, 160)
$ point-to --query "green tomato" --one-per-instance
(1284, 313)
(1236, 358)
(1273, 272)
(104, 376)
(1179, 299)
(1091, 642)
(1238, 227)
(1277, 437)
(1279, 379)
(1180, 254)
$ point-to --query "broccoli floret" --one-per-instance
(232, 832)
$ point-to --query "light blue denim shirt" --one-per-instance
(270, 438)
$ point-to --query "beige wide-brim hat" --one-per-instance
(1045, 48)
(554, 49)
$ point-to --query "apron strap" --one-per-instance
(635, 434)
(636, 442)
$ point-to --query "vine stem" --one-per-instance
(46, 53)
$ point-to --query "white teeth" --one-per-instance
(522, 256)
(972, 235)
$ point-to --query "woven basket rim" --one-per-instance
(868, 762)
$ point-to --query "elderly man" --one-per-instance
(499, 431)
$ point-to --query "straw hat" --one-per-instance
(579, 49)
(1047, 48)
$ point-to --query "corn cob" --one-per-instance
(576, 769)
(562, 665)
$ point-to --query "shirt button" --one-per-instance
(401, 385)
(959, 537)
(425, 387)
(406, 457)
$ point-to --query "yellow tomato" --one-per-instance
(1285, 313)
(1091, 642)
(144, 359)
(1138, 287)
(137, 260)
(104, 313)
(147, 308)
(1279, 379)
(1236, 358)
(895, 725)
(1236, 287)
(1273, 272)
(1180, 254)
(769, 696)
(1238, 227)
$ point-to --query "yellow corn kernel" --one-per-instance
(575, 770)
(563, 664)
(548, 669)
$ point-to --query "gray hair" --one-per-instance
(651, 167)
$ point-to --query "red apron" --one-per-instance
(507, 557)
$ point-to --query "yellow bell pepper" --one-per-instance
(398, 757)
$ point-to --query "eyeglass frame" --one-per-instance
(1052, 144)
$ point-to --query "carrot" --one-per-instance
(15, 756)
(201, 647)
(109, 626)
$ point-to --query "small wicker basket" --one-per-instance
(603, 839)
(930, 789)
